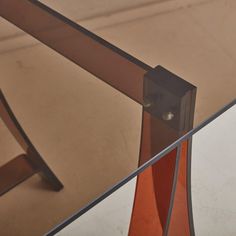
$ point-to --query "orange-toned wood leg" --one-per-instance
(163, 179)
(145, 218)
(23, 166)
(181, 217)
(161, 205)
(161, 200)
(154, 185)
(153, 198)
(15, 172)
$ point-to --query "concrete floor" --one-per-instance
(214, 177)
(194, 39)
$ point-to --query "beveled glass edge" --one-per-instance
(140, 169)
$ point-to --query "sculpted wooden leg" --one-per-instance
(161, 201)
(180, 222)
(25, 165)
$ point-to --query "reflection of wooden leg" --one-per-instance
(23, 166)
(161, 205)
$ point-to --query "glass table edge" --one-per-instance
(139, 170)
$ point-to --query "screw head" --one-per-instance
(147, 103)
(168, 116)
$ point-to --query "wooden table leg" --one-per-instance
(23, 166)
(162, 204)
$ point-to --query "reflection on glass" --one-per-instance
(214, 177)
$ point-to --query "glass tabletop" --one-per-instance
(213, 201)
(89, 131)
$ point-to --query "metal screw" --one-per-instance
(168, 116)
(147, 103)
